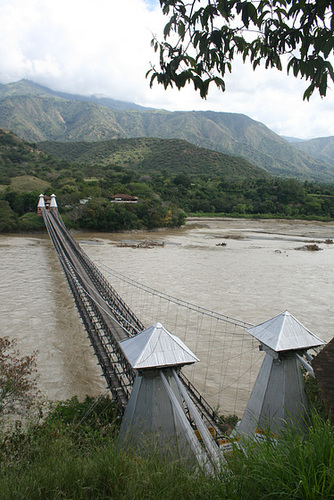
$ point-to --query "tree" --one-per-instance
(206, 35)
(8, 218)
(17, 378)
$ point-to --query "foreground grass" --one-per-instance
(74, 455)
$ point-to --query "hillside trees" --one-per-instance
(100, 215)
(21, 203)
(165, 195)
(8, 218)
(204, 37)
(261, 197)
(164, 200)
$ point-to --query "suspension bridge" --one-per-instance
(108, 319)
(230, 356)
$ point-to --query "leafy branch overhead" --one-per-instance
(202, 38)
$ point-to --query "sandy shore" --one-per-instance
(307, 229)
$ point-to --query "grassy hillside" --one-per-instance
(18, 157)
(39, 114)
(28, 183)
(36, 119)
(261, 146)
(147, 156)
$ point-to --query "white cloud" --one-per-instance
(104, 48)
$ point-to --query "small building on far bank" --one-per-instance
(123, 198)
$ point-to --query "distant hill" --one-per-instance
(151, 155)
(291, 139)
(18, 157)
(37, 114)
(29, 88)
(321, 148)
(144, 156)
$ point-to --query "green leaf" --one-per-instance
(181, 29)
(303, 28)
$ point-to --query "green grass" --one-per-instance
(28, 183)
(74, 455)
(91, 179)
(300, 466)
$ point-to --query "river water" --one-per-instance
(249, 270)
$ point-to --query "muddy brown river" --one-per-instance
(249, 270)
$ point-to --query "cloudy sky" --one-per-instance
(103, 47)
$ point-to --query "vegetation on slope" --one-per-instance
(170, 179)
(150, 156)
(25, 171)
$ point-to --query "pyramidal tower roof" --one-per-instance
(284, 333)
(41, 202)
(156, 347)
(53, 203)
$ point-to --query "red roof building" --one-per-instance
(123, 198)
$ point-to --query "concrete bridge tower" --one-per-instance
(53, 204)
(155, 414)
(41, 204)
(278, 395)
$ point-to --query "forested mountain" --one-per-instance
(38, 114)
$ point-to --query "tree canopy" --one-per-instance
(18, 387)
(202, 38)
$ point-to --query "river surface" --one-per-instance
(259, 273)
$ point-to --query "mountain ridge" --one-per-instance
(321, 148)
(27, 87)
(37, 114)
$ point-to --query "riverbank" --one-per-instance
(300, 227)
(35, 225)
